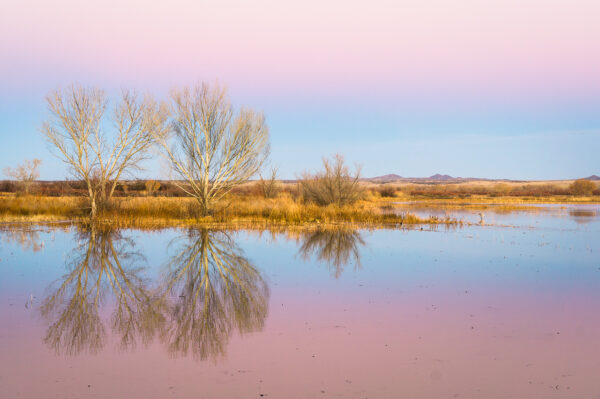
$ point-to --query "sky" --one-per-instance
(496, 89)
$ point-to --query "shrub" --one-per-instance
(582, 187)
(387, 191)
(269, 186)
(333, 185)
(152, 186)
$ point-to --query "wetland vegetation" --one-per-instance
(213, 150)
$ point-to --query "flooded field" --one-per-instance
(504, 308)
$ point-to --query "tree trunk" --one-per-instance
(94, 208)
(204, 211)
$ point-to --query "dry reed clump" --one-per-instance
(29, 205)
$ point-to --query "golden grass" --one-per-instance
(248, 210)
(483, 191)
(235, 211)
(488, 199)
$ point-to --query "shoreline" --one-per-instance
(249, 212)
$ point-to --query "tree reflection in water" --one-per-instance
(213, 290)
(103, 266)
(337, 248)
(209, 290)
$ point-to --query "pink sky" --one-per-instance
(501, 48)
(340, 75)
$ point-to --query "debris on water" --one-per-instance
(29, 302)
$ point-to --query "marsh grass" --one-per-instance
(171, 211)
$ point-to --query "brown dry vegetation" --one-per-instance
(561, 191)
(235, 209)
(555, 191)
(247, 205)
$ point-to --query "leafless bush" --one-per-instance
(269, 186)
(26, 173)
(333, 185)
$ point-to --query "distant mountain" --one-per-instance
(439, 177)
(385, 178)
(592, 177)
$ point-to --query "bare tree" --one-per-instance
(213, 148)
(268, 186)
(26, 173)
(76, 132)
(333, 185)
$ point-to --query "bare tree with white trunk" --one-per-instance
(79, 137)
(213, 148)
(26, 173)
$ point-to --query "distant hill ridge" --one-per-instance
(437, 177)
(389, 178)
(385, 178)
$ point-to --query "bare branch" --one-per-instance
(76, 133)
(211, 147)
(334, 185)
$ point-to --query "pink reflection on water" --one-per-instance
(429, 343)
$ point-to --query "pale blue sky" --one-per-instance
(550, 143)
(505, 89)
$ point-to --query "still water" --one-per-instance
(509, 309)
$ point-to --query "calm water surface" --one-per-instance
(509, 309)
